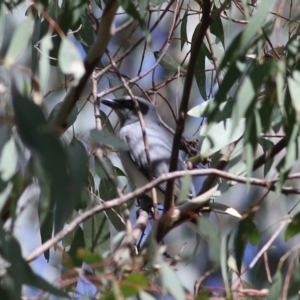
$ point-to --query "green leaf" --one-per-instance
(210, 233)
(44, 65)
(168, 62)
(8, 160)
(185, 189)
(85, 36)
(204, 295)
(293, 293)
(171, 282)
(46, 231)
(89, 257)
(232, 75)
(71, 117)
(294, 89)
(78, 162)
(77, 243)
(20, 41)
(183, 32)
(70, 60)
(142, 7)
(293, 228)
(39, 138)
(19, 270)
(106, 122)
(256, 23)
(107, 191)
(216, 28)
(224, 109)
(247, 232)
(275, 289)
(104, 138)
(266, 145)
(97, 234)
(245, 96)
(133, 283)
(223, 264)
(105, 169)
(220, 135)
(200, 74)
(225, 209)
(131, 10)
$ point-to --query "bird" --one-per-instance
(134, 158)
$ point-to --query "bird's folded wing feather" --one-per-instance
(160, 154)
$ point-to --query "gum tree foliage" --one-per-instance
(240, 57)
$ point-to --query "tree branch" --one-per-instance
(269, 184)
(96, 51)
(205, 20)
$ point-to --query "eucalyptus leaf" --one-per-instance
(171, 283)
(210, 233)
(104, 138)
(70, 60)
(276, 286)
(20, 41)
(220, 135)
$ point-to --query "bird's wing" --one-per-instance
(160, 146)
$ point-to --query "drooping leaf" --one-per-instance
(220, 135)
(71, 117)
(70, 60)
(129, 7)
(107, 191)
(77, 243)
(104, 138)
(210, 233)
(133, 284)
(20, 41)
(293, 228)
(200, 74)
(293, 292)
(223, 264)
(216, 28)
(266, 145)
(183, 32)
(170, 282)
(247, 232)
(19, 271)
(39, 138)
(8, 160)
(168, 62)
(276, 286)
(44, 66)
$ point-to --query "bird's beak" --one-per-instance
(110, 103)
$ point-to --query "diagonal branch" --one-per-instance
(96, 51)
(205, 20)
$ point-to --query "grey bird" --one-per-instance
(160, 142)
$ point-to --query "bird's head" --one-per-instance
(126, 110)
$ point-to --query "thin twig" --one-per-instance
(269, 243)
(213, 55)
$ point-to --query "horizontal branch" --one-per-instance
(270, 184)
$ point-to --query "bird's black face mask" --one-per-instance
(126, 111)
